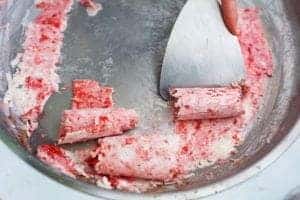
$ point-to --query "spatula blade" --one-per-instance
(201, 52)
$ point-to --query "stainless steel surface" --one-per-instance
(123, 46)
(201, 52)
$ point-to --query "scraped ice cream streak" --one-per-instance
(73, 165)
(35, 79)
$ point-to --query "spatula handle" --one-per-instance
(230, 16)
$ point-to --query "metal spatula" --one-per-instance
(201, 52)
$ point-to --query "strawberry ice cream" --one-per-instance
(76, 165)
(85, 124)
(60, 159)
(89, 94)
(36, 79)
(142, 161)
(207, 103)
(148, 156)
(92, 115)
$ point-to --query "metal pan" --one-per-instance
(123, 46)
